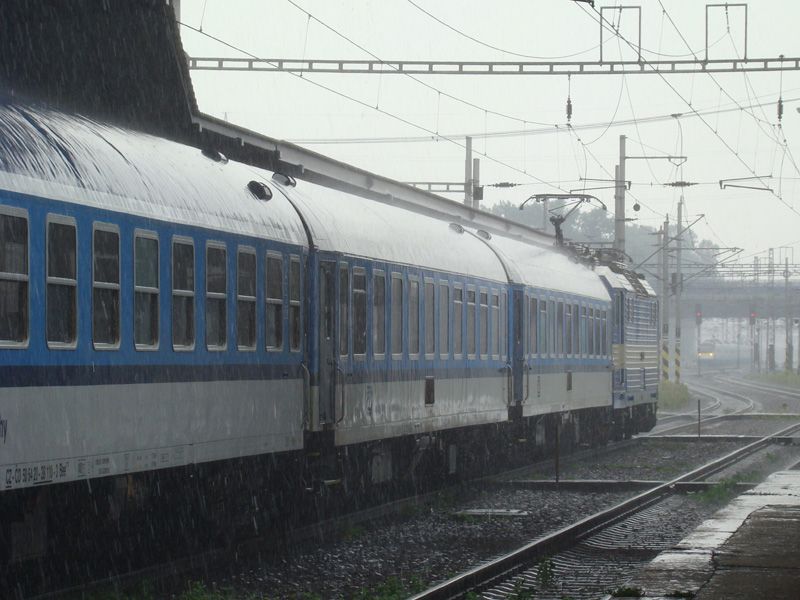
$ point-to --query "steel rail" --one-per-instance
(507, 566)
(758, 386)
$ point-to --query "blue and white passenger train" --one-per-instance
(163, 308)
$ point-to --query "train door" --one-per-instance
(328, 307)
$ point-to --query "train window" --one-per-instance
(14, 277)
(359, 312)
(471, 348)
(604, 347)
(246, 299)
(534, 314)
(543, 325)
(344, 310)
(216, 297)
(483, 316)
(458, 321)
(503, 325)
(145, 297)
(560, 328)
(105, 287)
(590, 327)
(379, 315)
(444, 320)
(273, 308)
(295, 312)
(413, 317)
(430, 312)
(495, 325)
(182, 294)
(62, 283)
(568, 332)
(397, 315)
(576, 328)
(583, 330)
(551, 327)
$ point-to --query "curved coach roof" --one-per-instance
(72, 158)
(341, 222)
(542, 266)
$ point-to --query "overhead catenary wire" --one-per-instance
(550, 129)
(377, 109)
(409, 75)
(704, 121)
(531, 56)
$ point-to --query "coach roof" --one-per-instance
(355, 226)
(72, 158)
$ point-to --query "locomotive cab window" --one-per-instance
(105, 287)
(145, 300)
(216, 297)
(183, 294)
(14, 277)
(246, 299)
(274, 302)
(62, 283)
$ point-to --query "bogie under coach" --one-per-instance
(167, 315)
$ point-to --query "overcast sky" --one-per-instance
(289, 107)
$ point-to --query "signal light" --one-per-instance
(698, 314)
(753, 316)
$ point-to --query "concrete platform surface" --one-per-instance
(749, 550)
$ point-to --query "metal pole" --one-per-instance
(468, 174)
(789, 349)
(678, 290)
(619, 199)
(476, 181)
(738, 344)
(558, 444)
(665, 301)
(698, 416)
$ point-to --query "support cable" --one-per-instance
(409, 75)
(379, 110)
(704, 121)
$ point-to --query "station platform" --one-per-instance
(748, 550)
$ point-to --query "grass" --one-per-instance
(779, 378)
(672, 396)
(724, 490)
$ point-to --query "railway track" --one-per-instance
(690, 417)
(509, 574)
(179, 569)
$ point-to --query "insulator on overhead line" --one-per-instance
(569, 109)
(780, 109)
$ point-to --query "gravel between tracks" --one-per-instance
(432, 544)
